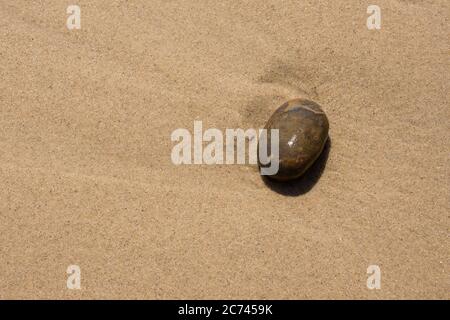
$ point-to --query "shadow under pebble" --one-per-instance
(307, 181)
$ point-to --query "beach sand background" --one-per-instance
(86, 176)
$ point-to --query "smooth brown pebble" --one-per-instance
(303, 132)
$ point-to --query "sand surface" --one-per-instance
(86, 176)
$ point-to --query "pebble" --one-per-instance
(303, 131)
